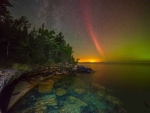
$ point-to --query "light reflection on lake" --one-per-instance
(130, 82)
(136, 76)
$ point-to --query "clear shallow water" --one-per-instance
(129, 82)
(72, 94)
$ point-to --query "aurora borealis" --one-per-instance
(98, 30)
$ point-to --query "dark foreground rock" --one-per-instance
(7, 76)
(82, 69)
(14, 84)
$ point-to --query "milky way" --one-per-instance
(99, 30)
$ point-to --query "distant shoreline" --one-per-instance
(115, 62)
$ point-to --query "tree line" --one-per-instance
(21, 44)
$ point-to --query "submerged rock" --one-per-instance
(70, 108)
(96, 101)
(72, 105)
(77, 101)
(113, 100)
(101, 93)
(60, 92)
(79, 90)
(56, 78)
(28, 110)
(46, 86)
(50, 100)
(101, 111)
(97, 86)
(40, 107)
(80, 98)
(39, 103)
(78, 83)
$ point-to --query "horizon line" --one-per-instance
(119, 62)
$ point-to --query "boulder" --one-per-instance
(84, 70)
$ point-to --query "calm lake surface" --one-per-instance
(126, 83)
(130, 83)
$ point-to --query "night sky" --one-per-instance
(98, 30)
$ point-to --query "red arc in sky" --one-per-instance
(86, 13)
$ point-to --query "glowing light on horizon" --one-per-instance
(90, 60)
(93, 36)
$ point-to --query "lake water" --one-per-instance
(130, 83)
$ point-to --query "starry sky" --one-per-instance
(98, 30)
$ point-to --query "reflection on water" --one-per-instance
(71, 94)
(130, 83)
(84, 93)
(122, 76)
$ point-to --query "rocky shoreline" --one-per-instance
(68, 94)
(28, 81)
(44, 79)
